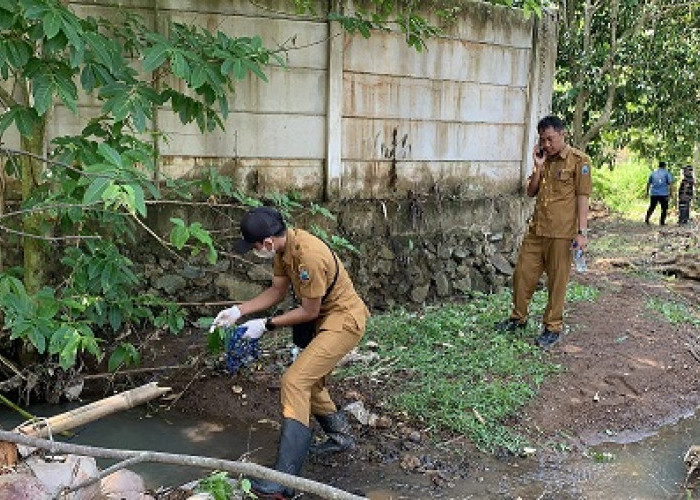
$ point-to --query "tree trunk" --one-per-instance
(34, 248)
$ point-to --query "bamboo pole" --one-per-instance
(93, 411)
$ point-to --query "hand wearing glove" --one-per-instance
(227, 317)
(254, 328)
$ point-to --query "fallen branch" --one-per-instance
(245, 468)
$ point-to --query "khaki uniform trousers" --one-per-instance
(537, 255)
(303, 391)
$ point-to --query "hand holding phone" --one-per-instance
(540, 152)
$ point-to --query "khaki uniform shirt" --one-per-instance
(309, 264)
(565, 176)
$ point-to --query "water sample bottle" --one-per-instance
(579, 261)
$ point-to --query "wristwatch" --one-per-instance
(583, 232)
(269, 325)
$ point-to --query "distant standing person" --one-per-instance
(686, 190)
(561, 181)
(659, 186)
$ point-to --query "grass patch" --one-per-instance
(674, 312)
(447, 368)
(624, 189)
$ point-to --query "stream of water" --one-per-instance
(650, 469)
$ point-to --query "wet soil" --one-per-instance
(626, 371)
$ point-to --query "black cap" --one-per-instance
(258, 224)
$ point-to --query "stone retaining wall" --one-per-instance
(411, 252)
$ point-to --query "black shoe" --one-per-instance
(338, 433)
(547, 339)
(509, 325)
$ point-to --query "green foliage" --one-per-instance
(449, 369)
(336, 242)
(217, 485)
(124, 355)
(182, 233)
(97, 295)
(675, 312)
(601, 457)
(627, 76)
(216, 340)
(623, 189)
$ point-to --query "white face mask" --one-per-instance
(264, 253)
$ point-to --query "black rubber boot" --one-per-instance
(339, 434)
(295, 439)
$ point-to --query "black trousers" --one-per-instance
(658, 200)
(683, 212)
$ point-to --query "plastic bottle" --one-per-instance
(579, 261)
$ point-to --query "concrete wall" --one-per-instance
(361, 118)
(422, 155)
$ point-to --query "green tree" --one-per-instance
(626, 73)
(103, 176)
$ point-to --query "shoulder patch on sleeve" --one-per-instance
(304, 275)
(585, 169)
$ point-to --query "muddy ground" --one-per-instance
(627, 370)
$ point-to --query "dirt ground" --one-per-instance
(626, 369)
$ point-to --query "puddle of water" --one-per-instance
(172, 432)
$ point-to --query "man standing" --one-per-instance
(328, 298)
(685, 195)
(659, 185)
(561, 181)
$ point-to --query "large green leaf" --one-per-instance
(100, 47)
(94, 192)
(155, 57)
(73, 31)
(26, 120)
(139, 200)
(42, 87)
(52, 23)
(6, 119)
(110, 154)
(18, 52)
(179, 236)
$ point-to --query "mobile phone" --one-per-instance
(540, 152)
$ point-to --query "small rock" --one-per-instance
(410, 462)
(414, 437)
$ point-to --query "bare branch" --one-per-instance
(236, 467)
(160, 240)
(47, 238)
(43, 208)
(18, 152)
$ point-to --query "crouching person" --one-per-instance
(335, 318)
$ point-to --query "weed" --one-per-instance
(600, 457)
(675, 313)
(220, 487)
(623, 189)
(448, 368)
